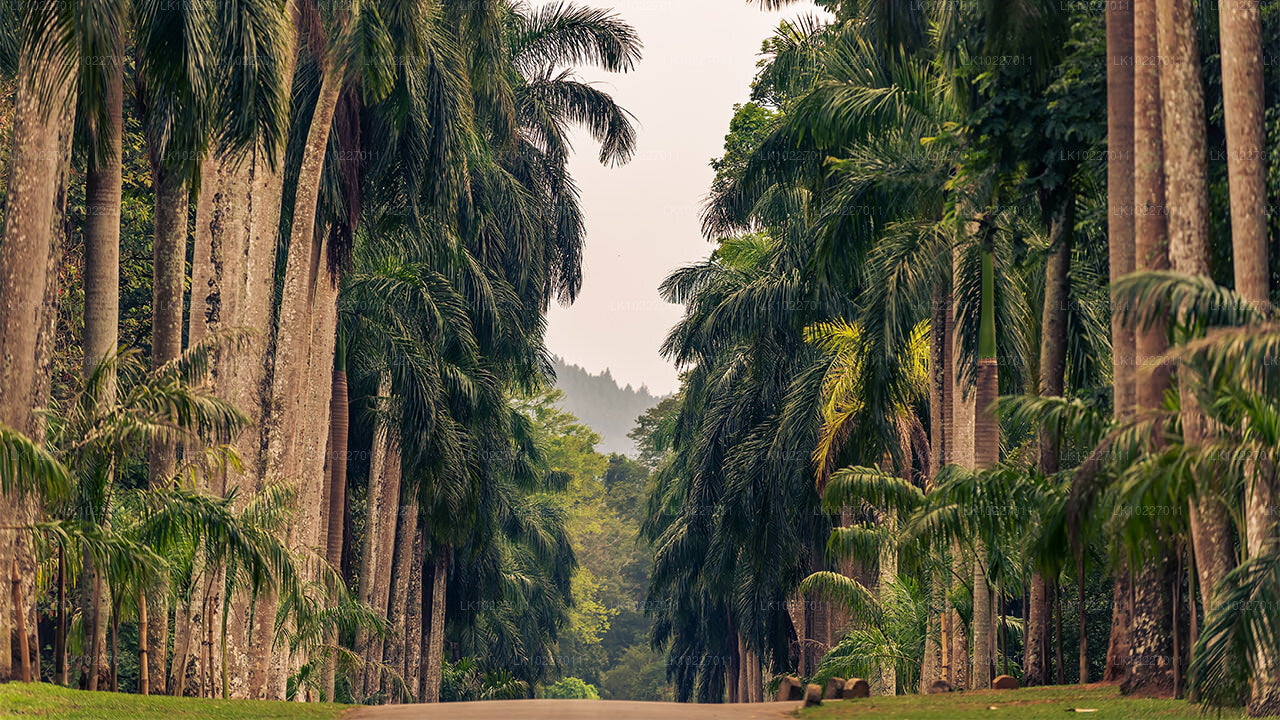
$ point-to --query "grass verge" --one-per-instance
(19, 700)
(1104, 703)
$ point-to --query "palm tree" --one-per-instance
(1149, 636)
(1241, 43)
(43, 118)
(1121, 212)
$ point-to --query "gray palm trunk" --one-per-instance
(959, 415)
(301, 342)
(931, 668)
(415, 612)
(1120, 247)
(34, 216)
(1187, 183)
(1053, 356)
(397, 609)
(335, 490)
(169, 251)
(384, 509)
(101, 333)
(1149, 640)
(433, 673)
(1243, 104)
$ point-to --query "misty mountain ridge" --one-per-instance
(604, 406)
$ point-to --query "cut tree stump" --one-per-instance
(835, 686)
(790, 689)
(812, 695)
(856, 688)
(1004, 682)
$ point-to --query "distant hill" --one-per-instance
(603, 406)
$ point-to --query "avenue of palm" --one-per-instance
(981, 375)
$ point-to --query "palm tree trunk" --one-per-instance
(960, 448)
(1083, 617)
(233, 266)
(433, 674)
(887, 678)
(986, 453)
(60, 632)
(169, 247)
(144, 669)
(1121, 212)
(1053, 355)
(306, 271)
(398, 607)
(415, 612)
(1149, 635)
(336, 484)
(1059, 666)
(101, 328)
(1243, 104)
(34, 213)
(370, 556)
(756, 677)
(732, 669)
(384, 547)
(1188, 200)
(932, 664)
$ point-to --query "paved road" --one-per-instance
(573, 710)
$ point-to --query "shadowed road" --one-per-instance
(573, 710)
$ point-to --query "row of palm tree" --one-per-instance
(376, 205)
(897, 423)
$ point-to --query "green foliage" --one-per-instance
(639, 674)
(571, 688)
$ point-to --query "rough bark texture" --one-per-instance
(101, 331)
(169, 251)
(886, 679)
(1121, 214)
(1117, 664)
(1037, 669)
(393, 653)
(36, 196)
(335, 474)
(959, 415)
(433, 673)
(1149, 648)
(414, 613)
(986, 454)
(1240, 24)
(383, 547)
(295, 430)
(931, 667)
(373, 531)
(1053, 355)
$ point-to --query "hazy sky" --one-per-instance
(642, 218)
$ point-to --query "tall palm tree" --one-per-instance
(1240, 26)
(1120, 245)
(1149, 636)
(43, 118)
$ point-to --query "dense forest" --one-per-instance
(599, 402)
(980, 377)
(273, 291)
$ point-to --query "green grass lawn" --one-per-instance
(1025, 704)
(18, 700)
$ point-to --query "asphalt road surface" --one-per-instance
(574, 710)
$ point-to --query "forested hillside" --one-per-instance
(604, 406)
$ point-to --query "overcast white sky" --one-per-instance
(642, 218)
